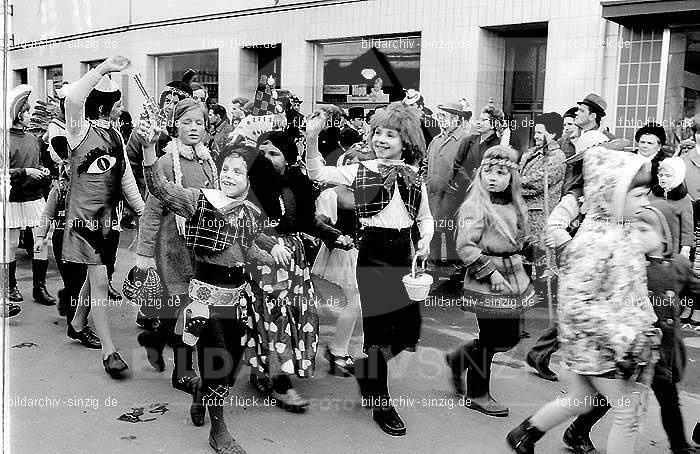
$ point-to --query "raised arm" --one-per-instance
(79, 91)
(315, 165)
(179, 200)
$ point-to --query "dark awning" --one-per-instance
(652, 13)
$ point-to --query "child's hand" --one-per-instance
(549, 241)
(144, 263)
(114, 64)
(423, 248)
(39, 245)
(685, 252)
(281, 254)
(499, 283)
(316, 123)
(344, 241)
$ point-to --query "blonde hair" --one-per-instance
(479, 198)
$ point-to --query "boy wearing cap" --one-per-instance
(100, 175)
(28, 179)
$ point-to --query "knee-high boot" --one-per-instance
(40, 294)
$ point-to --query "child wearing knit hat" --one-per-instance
(668, 276)
(672, 189)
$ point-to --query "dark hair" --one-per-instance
(571, 113)
(328, 140)
(283, 142)
(125, 117)
(100, 103)
(552, 122)
(497, 116)
(219, 110)
(348, 137)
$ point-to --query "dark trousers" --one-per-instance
(546, 345)
(164, 334)
(111, 245)
(391, 321)
(495, 335)
(57, 242)
(75, 275)
(219, 352)
(671, 417)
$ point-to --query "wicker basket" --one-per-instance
(417, 282)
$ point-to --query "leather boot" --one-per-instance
(577, 435)
(40, 294)
(13, 294)
(522, 439)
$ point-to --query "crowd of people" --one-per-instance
(229, 215)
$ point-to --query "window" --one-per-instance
(638, 87)
(88, 65)
(370, 70)
(53, 79)
(19, 76)
(206, 64)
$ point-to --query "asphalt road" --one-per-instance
(60, 400)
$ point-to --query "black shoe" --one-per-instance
(42, 296)
(87, 337)
(456, 375)
(198, 409)
(185, 383)
(147, 323)
(113, 293)
(577, 442)
(291, 401)
(14, 295)
(261, 383)
(388, 419)
(486, 405)
(541, 367)
(340, 366)
(154, 350)
(696, 434)
(114, 365)
(522, 439)
(12, 309)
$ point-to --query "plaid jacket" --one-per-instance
(371, 196)
(211, 230)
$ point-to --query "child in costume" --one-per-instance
(390, 198)
(605, 319)
(188, 163)
(224, 230)
(26, 203)
(337, 265)
(493, 227)
(100, 174)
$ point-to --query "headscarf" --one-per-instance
(605, 317)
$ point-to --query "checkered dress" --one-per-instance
(210, 230)
(371, 196)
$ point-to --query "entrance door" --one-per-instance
(523, 88)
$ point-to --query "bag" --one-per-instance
(494, 306)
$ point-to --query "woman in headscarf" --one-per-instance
(288, 328)
(605, 317)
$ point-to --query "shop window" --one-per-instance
(370, 70)
(206, 64)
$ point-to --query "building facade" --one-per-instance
(528, 56)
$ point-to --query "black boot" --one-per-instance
(41, 295)
(577, 436)
(13, 294)
(541, 367)
(154, 349)
(386, 416)
(522, 439)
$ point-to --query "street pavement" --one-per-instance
(60, 400)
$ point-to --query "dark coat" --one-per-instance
(467, 161)
(667, 278)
